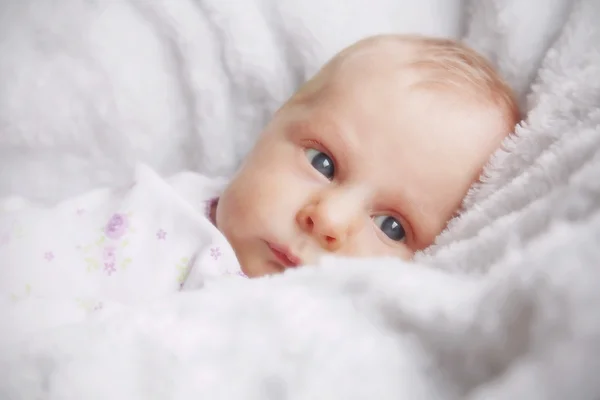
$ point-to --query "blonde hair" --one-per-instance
(441, 63)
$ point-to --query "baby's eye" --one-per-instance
(391, 227)
(321, 162)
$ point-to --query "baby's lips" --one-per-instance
(285, 256)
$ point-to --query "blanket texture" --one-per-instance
(504, 306)
(90, 88)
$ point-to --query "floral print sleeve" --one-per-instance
(114, 246)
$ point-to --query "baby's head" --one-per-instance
(371, 157)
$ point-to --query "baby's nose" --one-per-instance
(329, 222)
(329, 235)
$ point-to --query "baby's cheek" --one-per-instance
(248, 208)
(368, 244)
(361, 245)
(406, 253)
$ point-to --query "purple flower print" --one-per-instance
(109, 268)
(108, 255)
(49, 256)
(116, 226)
(110, 259)
(215, 252)
(161, 235)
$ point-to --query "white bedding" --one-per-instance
(90, 88)
(503, 306)
(106, 249)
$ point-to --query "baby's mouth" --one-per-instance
(284, 256)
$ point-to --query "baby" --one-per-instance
(371, 157)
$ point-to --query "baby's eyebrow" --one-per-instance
(324, 126)
(302, 128)
(339, 140)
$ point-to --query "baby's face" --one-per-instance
(372, 168)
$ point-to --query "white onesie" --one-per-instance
(110, 246)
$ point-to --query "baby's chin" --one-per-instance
(259, 269)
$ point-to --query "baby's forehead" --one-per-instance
(400, 65)
(374, 56)
(440, 65)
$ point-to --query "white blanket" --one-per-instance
(90, 88)
(106, 249)
(509, 312)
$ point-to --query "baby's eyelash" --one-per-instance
(311, 143)
(318, 145)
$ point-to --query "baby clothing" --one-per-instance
(123, 246)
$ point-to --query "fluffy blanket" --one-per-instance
(90, 88)
(503, 306)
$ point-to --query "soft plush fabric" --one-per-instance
(90, 88)
(504, 306)
(109, 248)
